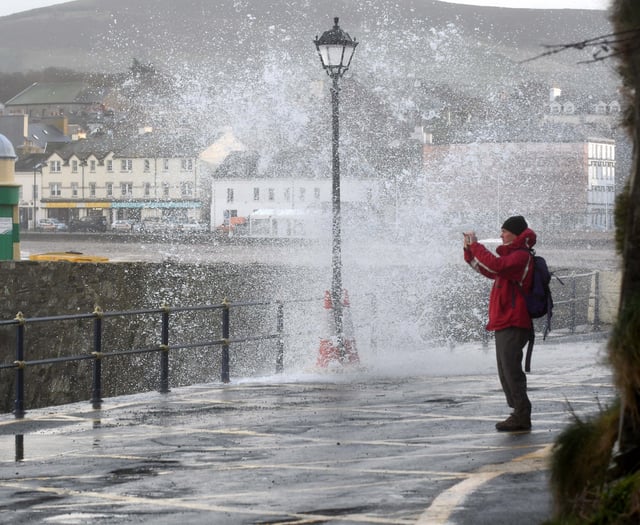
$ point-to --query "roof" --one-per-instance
(31, 162)
(6, 148)
(42, 134)
(57, 93)
(238, 164)
(150, 145)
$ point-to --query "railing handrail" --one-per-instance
(97, 355)
(225, 340)
(145, 311)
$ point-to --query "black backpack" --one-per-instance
(539, 300)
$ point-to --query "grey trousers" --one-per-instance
(509, 345)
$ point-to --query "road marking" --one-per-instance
(175, 503)
(448, 501)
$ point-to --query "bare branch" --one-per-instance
(608, 46)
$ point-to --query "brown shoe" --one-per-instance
(514, 424)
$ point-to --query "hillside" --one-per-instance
(413, 38)
(251, 66)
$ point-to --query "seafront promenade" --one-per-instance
(406, 445)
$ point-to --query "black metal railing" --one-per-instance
(98, 353)
(577, 303)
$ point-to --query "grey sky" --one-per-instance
(8, 7)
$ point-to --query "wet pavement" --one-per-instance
(356, 446)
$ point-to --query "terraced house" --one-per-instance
(145, 177)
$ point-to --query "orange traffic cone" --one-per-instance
(328, 350)
(349, 337)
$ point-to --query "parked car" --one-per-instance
(90, 223)
(51, 225)
(122, 225)
(193, 226)
(60, 226)
(152, 225)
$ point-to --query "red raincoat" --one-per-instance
(507, 306)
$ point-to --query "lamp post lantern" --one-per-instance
(336, 49)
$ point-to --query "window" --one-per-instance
(165, 164)
(92, 166)
(92, 189)
(316, 193)
(147, 189)
(186, 164)
(302, 193)
(109, 187)
(287, 194)
(109, 165)
(256, 194)
(74, 166)
(54, 166)
(55, 189)
(126, 189)
(165, 189)
(229, 194)
(147, 165)
(74, 189)
(186, 188)
(126, 165)
(272, 194)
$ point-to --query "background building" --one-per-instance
(557, 186)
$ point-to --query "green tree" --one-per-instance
(596, 463)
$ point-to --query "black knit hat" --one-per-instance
(515, 225)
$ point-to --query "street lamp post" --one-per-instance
(83, 163)
(37, 168)
(336, 49)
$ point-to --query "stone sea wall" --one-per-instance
(394, 309)
(39, 289)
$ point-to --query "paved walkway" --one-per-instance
(357, 447)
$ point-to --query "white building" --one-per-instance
(601, 183)
(279, 201)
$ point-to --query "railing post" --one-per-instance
(164, 353)
(596, 303)
(224, 374)
(280, 331)
(19, 447)
(96, 397)
(573, 304)
(20, 366)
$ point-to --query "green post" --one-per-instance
(9, 198)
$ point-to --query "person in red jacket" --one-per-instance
(508, 317)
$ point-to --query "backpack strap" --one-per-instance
(532, 332)
(532, 340)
